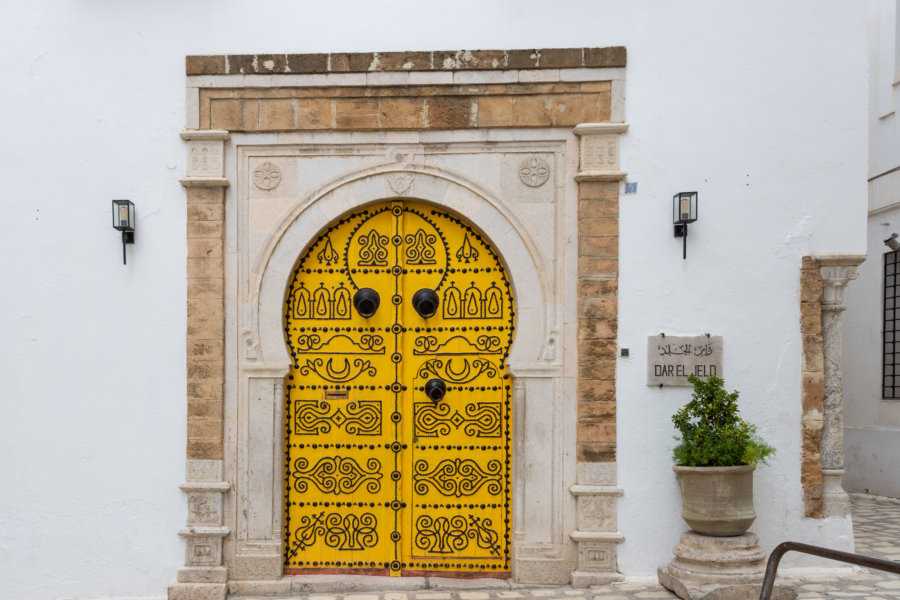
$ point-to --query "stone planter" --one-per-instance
(717, 501)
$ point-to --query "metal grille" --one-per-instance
(891, 335)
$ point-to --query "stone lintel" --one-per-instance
(204, 182)
(597, 536)
(196, 532)
(600, 176)
(205, 135)
(205, 486)
(600, 128)
(406, 61)
(596, 490)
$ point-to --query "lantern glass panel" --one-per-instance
(123, 215)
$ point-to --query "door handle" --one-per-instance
(425, 301)
(366, 301)
(435, 390)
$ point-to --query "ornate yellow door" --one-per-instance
(399, 320)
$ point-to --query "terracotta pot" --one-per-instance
(717, 501)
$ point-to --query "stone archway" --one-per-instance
(267, 170)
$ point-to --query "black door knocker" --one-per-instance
(435, 390)
(366, 301)
(425, 301)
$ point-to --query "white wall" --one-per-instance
(760, 106)
(872, 424)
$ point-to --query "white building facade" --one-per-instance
(184, 347)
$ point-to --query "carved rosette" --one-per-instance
(534, 172)
(267, 176)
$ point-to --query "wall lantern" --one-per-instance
(684, 206)
(123, 220)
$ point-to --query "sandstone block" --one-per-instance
(495, 111)
(307, 63)
(598, 245)
(402, 113)
(596, 412)
(356, 114)
(209, 408)
(813, 392)
(588, 224)
(205, 268)
(205, 229)
(613, 56)
(204, 248)
(599, 190)
(404, 61)
(589, 265)
(205, 195)
(595, 287)
(600, 391)
(597, 328)
(204, 428)
(206, 212)
(449, 113)
(204, 65)
(206, 288)
(205, 349)
(205, 319)
(276, 115)
(314, 113)
(596, 349)
(601, 452)
(597, 369)
(598, 308)
(204, 449)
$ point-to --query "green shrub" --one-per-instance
(712, 432)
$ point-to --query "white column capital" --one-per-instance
(837, 270)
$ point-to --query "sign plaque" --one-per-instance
(671, 359)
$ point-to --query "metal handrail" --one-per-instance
(847, 557)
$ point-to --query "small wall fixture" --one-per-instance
(123, 220)
(684, 206)
(892, 242)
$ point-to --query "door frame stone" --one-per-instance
(237, 355)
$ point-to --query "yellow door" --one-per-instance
(399, 320)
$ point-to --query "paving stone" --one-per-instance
(474, 596)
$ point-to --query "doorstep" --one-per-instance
(296, 585)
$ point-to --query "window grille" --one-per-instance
(891, 330)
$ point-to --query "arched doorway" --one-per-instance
(398, 420)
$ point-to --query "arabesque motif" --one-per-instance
(379, 478)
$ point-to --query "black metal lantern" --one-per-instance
(123, 220)
(684, 211)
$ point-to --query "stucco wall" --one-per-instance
(760, 108)
(872, 425)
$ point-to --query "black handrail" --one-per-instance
(847, 557)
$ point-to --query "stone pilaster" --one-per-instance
(837, 270)
(203, 576)
(596, 492)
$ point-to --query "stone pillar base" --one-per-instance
(585, 579)
(198, 591)
(716, 568)
(835, 500)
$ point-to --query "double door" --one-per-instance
(399, 320)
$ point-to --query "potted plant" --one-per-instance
(716, 457)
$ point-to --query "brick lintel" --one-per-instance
(438, 60)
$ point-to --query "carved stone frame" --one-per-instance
(244, 482)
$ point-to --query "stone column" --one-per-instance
(836, 270)
(595, 491)
(203, 576)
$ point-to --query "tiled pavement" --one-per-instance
(876, 526)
